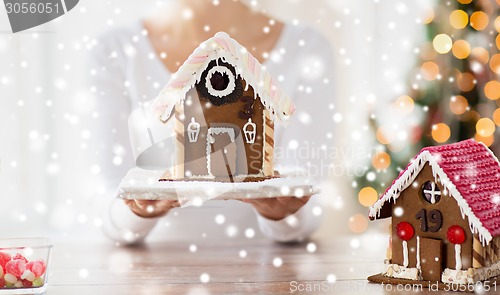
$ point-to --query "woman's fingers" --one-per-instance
(151, 208)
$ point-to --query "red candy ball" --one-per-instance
(4, 258)
(456, 234)
(19, 256)
(405, 231)
(37, 267)
(15, 267)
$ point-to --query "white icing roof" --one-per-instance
(229, 50)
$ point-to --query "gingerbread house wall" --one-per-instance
(251, 158)
(411, 201)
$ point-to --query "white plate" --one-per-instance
(143, 184)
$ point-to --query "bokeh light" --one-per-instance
(441, 132)
(458, 104)
(367, 196)
(485, 127)
(459, 19)
(479, 20)
(466, 82)
(381, 161)
(442, 43)
(496, 117)
(461, 49)
(487, 140)
(427, 51)
(404, 104)
(495, 63)
(464, 1)
(381, 135)
(492, 90)
(497, 41)
(481, 54)
(358, 223)
(429, 70)
(428, 16)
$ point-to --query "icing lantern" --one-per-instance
(405, 231)
(456, 235)
(250, 129)
(193, 130)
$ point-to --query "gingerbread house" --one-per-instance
(224, 104)
(445, 210)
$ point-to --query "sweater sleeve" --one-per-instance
(111, 144)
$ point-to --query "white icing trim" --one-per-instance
(216, 131)
(230, 87)
(193, 130)
(405, 253)
(401, 272)
(458, 257)
(418, 253)
(433, 193)
(250, 135)
(407, 178)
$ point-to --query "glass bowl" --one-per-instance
(23, 265)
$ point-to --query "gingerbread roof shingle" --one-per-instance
(469, 172)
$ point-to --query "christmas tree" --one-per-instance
(454, 92)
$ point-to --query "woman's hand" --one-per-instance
(151, 208)
(277, 208)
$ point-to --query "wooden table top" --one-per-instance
(221, 267)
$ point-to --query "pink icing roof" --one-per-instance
(471, 174)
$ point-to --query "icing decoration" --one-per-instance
(458, 257)
(472, 191)
(456, 234)
(193, 130)
(432, 194)
(249, 129)
(405, 231)
(220, 85)
(418, 253)
(230, 51)
(215, 81)
(405, 253)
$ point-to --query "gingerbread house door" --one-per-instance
(431, 259)
(221, 152)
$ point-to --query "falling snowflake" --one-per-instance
(277, 262)
(204, 278)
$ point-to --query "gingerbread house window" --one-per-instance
(220, 81)
(431, 192)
